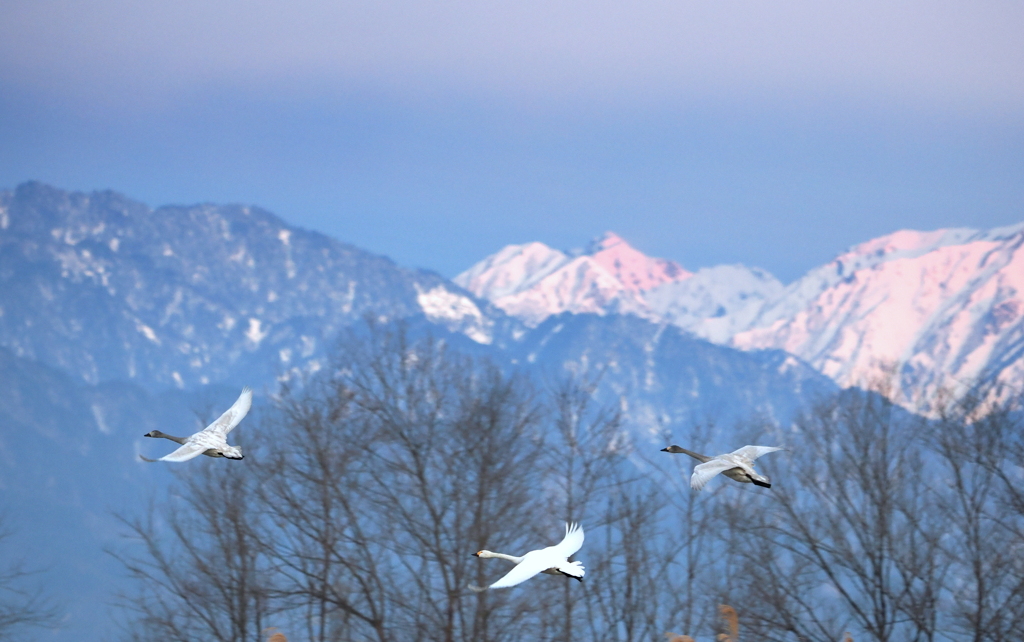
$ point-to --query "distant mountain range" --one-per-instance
(116, 318)
(108, 289)
(944, 308)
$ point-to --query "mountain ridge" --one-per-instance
(945, 308)
(105, 287)
(533, 281)
(103, 300)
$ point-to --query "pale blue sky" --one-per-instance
(770, 133)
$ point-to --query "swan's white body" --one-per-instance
(738, 465)
(212, 440)
(553, 560)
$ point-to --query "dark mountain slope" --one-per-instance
(105, 288)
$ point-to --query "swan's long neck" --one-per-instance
(511, 558)
(157, 433)
(699, 457)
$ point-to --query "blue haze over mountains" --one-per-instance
(116, 319)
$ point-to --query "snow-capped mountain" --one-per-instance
(716, 302)
(106, 288)
(945, 307)
(534, 281)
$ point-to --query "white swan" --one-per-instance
(738, 465)
(553, 560)
(212, 440)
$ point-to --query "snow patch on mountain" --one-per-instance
(512, 269)
(945, 307)
(109, 289)
(904, 244)
(636, 271)
(455, 311)
(716, 302)
(256, 334)
(534, 281)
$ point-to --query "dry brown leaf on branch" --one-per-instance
(732, 621)
(277, 635)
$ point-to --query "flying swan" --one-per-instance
(212, 440)
(553, 560)
(738, 465)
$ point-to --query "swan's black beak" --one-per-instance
(476, 554)
(665, 450)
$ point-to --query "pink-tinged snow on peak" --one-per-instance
(533, 281)
(636, 271)
(904, 244)
(510, 270)
(945, 307)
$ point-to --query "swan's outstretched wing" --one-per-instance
(190, 450)
(226, 422)
(704, 472)
(530, 566)
(571, 543)
(753, 452)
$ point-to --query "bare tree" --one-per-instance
(201, 572)
(978, 445)
(453, 469)
(846, 541)
(371, 484)
(384, 475)
(631, 595)
(327, 576)
(22, 606)
(584, 450)
(700, 535)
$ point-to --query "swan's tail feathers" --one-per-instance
(762, 484)
(574, 570)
